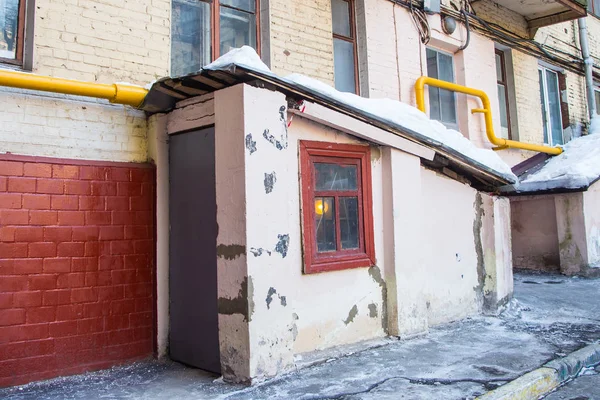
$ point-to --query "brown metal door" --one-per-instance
(194, 334)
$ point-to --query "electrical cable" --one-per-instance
(468, 40)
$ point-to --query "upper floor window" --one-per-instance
(336, 206)
(551, 107)
(203, 30)
(12, 31)
(442, 103)
(503, 94)
(344, 46)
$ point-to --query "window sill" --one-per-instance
(339, 263)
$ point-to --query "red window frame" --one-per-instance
(345, 154)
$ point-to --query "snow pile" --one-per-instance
(395, 112)
(409, 117)
(245, 56)
(577, 167)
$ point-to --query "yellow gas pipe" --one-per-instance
(486, 110)
(115, 93)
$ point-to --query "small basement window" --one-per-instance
(336, 206)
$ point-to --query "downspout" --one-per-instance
(588, 64)
(115, 93)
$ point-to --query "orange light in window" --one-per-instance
(321, 207)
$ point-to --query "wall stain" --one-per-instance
(294, 328)
(230, 251)
(375, 274)
(270, 180)
(351, 315)
(250, 144)
(373, 310)
(279, 145)
(283, 300)
(282, 246)
(242, 304)
(375, 153)
(257, 252)
(270, 294)
(477, 224)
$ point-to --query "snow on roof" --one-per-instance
(395, 112)
(577, 167)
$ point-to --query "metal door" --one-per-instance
(194, 334)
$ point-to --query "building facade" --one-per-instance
(84, 262)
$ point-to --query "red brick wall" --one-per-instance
(76, 266)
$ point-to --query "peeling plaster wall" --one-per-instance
(570, 222)
(450, 226)
(336, 307)
(591, 200)
(497, 252)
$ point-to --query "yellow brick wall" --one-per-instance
(563, 37)
(98, 41)
(301, 38)
(103, 40)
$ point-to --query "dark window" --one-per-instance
(503, 95)
(442, 103)
(344, 46)
(203, 30)
(12, 31)
(336, 206)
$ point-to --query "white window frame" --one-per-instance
(546, 105)
(451, 125)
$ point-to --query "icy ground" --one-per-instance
(549, 317)
(395, 112)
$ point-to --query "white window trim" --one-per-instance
(543, 68)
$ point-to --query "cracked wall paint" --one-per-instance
(282, 246)
(270, 179)
(230, 251)
(250, 144)
(351, 315)
(373, 310)
(269, 298)
(375, 274)
(242, 304)
(477, 224)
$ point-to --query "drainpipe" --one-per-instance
(588, 65)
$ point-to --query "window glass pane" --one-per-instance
(190, 36)
(446, 69)
(499, 68)
(597, 96)
(247, 5)
(503, 111)
(335, 177)
(237, 29)
(543, 102)
(340, 12)
(343, 62)
(349, 222)
(325, 223)
(434, 93)
(448, 105)
(9, 20)
(554, 107)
